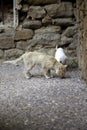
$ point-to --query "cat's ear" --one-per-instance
(65, 66)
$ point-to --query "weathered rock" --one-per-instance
(19, 7)
(63, 21)
(12, 53)
(49, 29)
(22, 45)
(65, 41)
(46, 20)
(18, 1)
(47, 33)
(36, 12)
(35, 44)
(25, 8)
(1, 53)
(32, 24)
(41, 2)
(71, 53)
(6, 41)
(74, 44)
(47, 36)
(8, 31)
(63, 9)
(70, 31)
(23, 34)
(72, 62)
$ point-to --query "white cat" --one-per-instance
(60, 56)
(47, 62)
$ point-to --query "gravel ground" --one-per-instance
(39, 103)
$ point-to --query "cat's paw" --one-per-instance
(51, 76)
(27, 77)
(47, 77)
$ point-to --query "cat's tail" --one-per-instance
(15, 62)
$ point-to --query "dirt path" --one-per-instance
(41, 104)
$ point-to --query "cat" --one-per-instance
(47, 62)
(60, 56)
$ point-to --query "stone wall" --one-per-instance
(82, 36)
(43, 24)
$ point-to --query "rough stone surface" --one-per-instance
(23, 34)
(6, 41)
(65, 41)
(73, 45)
(69, 32)
(49, 29)
(22, 45)
(42, 2)
(47, 33)
(40, 103)
(37, 44)
(32, 24)
(47, 20)
(12, 53)
(72, 53)
(25, 8)
(36, 12)
(47, 36)
(72, 62)
(63, 21)
(18, 1)
(60, 10)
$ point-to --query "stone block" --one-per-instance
(74, 44)
(36, 12)
(25, 8)
(70, 31)
(63, 21)
(22, 45)
(47, 36)
(6, 41)
(65, 41)
(23, 34)
(13, 53)
(47, 20)
(63, 9)
(41, 2)
(32, 24)
(36, 44)
(49, 33)
(49, 29)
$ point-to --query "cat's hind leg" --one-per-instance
(26, 71)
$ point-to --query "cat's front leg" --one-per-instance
(27, 74)
(27, 68)
(46, 73)
(49, 74)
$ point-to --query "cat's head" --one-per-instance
(61, 71)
